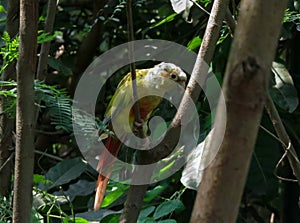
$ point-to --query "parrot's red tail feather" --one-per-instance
(105, 167)
(100, 191)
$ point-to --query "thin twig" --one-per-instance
(48, 155)
(290, 152)
(200, 7)
(136, 193)
(271, 134)
(6, 161)
(136, 108)
(43, 59)
(59, 132)
(279, 162)
(228, 17)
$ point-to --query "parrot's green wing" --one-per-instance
(122, 98)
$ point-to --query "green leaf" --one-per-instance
(64, 172)
(36, 217)
(97, 215)
(283, 91)
(147, 220)
(165, 20)
(153, 193)
(146, 212)
(45, 37)
(167, 221)
(2, 9)
(80, 188)
(40, 179)
(194, 43)
(167, 208)
(81, 220)
(114, 195)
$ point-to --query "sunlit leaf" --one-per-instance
(114, 195)
(180, 6)
(194, 43)
(197, 161)
(37, 178)
(165, 20)
(2, 9)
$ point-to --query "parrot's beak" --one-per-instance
(182, 80)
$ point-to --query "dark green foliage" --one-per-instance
(64, 190)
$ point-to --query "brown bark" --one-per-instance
(244, 88)
(26, 68)
(6, 124)
(43, 59)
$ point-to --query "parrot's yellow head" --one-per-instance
(159, 75)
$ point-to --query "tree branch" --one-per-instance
(43, 59)
(276, 120)
(244, 88)
(136, 193)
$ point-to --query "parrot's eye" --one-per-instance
(173, 76)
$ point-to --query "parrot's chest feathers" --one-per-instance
(147, 105)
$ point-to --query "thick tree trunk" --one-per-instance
(26, 68)
(245, 88)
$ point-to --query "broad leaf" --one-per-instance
(114, 195)
(147, 220)
(80, 188)
(167, 208)
(64, 172)
(146, 212)
(182, 6)
(167, 221)
(96, 215)
(197, 161)
(283, 91)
